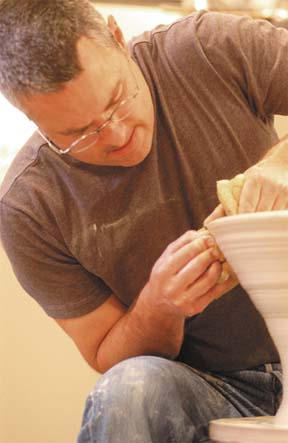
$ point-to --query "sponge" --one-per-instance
(228, 192)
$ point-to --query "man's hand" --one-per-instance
(265, 187)
(266, 184)
(185, 277)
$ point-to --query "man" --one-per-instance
(100, 209)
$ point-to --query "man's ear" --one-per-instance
(117, 33)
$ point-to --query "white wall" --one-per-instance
(281, 124)
(43, 379)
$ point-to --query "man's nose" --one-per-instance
(115, 134)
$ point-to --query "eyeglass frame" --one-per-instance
(97, 130)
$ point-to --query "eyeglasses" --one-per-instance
(121, 112)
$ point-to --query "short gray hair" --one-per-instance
(38, 43)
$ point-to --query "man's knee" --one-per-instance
(134, 381)
(147, 390)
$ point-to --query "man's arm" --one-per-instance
(182, 283)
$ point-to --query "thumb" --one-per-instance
(217, 213)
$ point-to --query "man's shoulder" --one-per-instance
(187, 35)
(190, 23)
(161, 31)
(25, 158)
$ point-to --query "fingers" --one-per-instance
(194, 269)
(185, 239)
(250, 195)
(192, 257)
(181, 252)
(217, 213)
(268, 196)
(193, 293)
(281, 201)
(181, 269)
(261, 193)
(200, 303)
(266, 186)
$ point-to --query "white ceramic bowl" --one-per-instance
(256, 246)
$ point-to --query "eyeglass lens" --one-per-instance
(91, 139)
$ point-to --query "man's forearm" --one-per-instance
(143, 330)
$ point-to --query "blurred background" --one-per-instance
(43, 379)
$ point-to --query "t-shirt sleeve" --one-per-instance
(248, 54)
(45, 268)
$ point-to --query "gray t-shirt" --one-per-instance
(75, 233)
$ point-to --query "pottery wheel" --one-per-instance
(248, 430)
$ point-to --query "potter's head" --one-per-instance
(71, 73)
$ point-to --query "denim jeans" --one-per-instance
(154, 400)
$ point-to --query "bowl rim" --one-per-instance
(248, 216)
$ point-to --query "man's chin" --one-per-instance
(135, 159)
